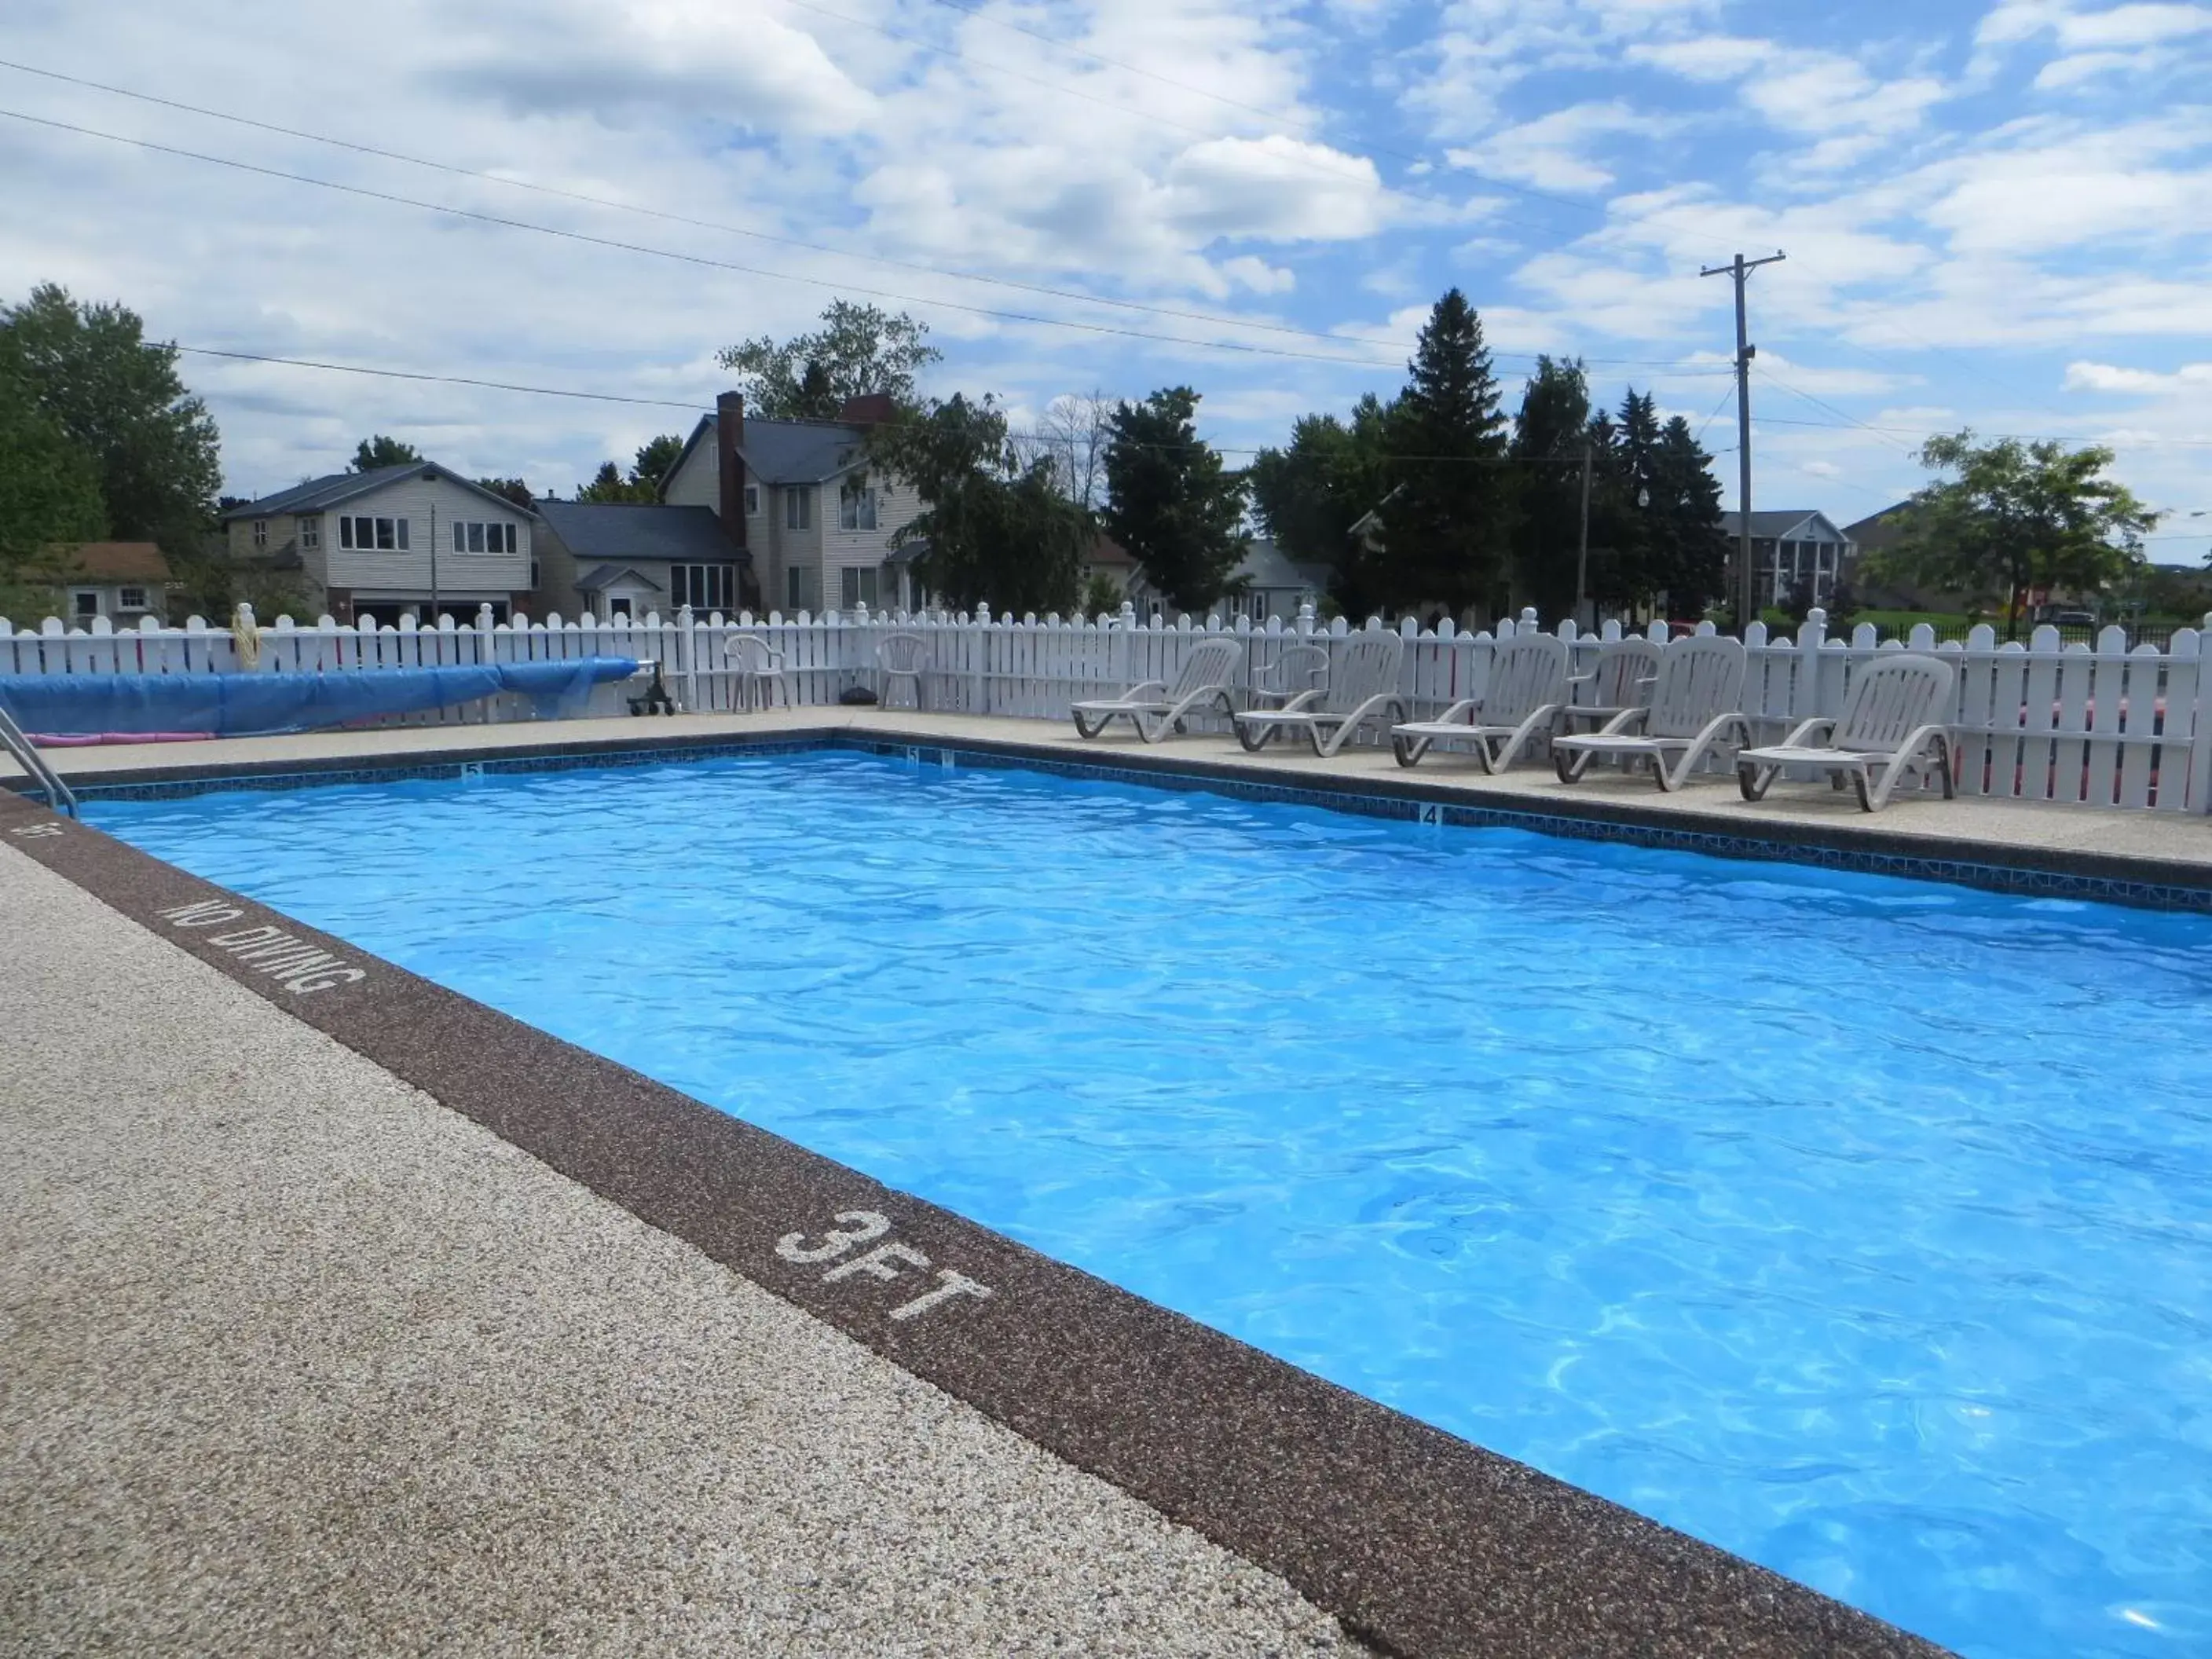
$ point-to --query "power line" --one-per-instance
(692, 258)
(1078, 295)
(694, 406)
(1769, 376)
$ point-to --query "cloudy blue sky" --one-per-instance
(1994, 215)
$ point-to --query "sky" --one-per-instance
(1997, 216)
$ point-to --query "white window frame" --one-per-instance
(856, 506)
(799, 507)
(130, 599)
(857, 584)
(261, 533)
(752, 501)
(84, 602)
(311, 531)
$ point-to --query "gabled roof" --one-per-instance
(593, 530)
(317, 494)
(1266, 566)
(786, 452)
(601, 577)
(1784, 525)
(135, 562)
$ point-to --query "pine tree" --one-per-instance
(1548, 436)
(1447, 526)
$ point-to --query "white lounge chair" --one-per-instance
(1156, 708)
(1620, 679)
(1696, 703)
(1894, 720)
(1362, 685)
(1523, 697)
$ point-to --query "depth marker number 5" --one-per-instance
(887, 1261)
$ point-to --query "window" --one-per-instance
(85, 603)
(752, 500)
(856, 507)
(362, 533)
(311, 531)
(703, 587)
(479, 536)
(533, 575)
(798, 587)
(798, 509)
(856, 586)
(261, 533)
(131, 599)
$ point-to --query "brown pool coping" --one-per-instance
(1420, 1542)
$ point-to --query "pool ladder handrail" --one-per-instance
(60, 797)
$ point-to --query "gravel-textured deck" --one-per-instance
(298, 1361)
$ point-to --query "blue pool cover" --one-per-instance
(245, 705)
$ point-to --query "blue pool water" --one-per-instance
(1861, 1226)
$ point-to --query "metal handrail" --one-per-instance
(60, 797)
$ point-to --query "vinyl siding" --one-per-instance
(420, 502)
(698, 482)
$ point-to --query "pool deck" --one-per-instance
(344, 1313)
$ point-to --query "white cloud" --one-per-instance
(1274, 189)
(1552, 151)
(2138, 382)
(1258, 274)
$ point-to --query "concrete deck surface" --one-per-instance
(298, 1361)
(1998, 824)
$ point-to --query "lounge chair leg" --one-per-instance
(1253, 744)
(1755, 780)
(1859, 782)
(1408, 750)
(1084, 730)
(1570, 767)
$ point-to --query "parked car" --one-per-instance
(2073, 619)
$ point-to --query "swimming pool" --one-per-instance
(1858, 1225)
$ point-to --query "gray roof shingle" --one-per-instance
(328, 491)
(625, 534)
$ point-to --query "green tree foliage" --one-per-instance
(379, 451)
(995, 530)
(49, 498)
(1549, 435)
(1446, 525)
(2011, 516)
(859, 350)
(118, 402)
(1170, 500)
(515, 489)
(654, 457)
(1655, 539)
(642, 485)
(1309, 495)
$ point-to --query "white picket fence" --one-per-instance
(2099, 726)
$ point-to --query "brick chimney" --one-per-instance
(730, 466)
(869, 408)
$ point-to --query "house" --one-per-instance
(1106, 559)
(636, 560)
(122, 582)
(1788, 548)
(391, 539)
(1265, 583)
(801, 500)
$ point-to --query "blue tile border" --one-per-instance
(2091, 880)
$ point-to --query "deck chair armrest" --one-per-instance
(1802, 733)
(1621, 723)
(1148, 687)
(1460, 709)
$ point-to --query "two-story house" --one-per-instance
(1797, 547)
(818, 518)
(415, 537)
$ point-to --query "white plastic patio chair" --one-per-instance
(1521, 699)
(1696, 703)
(901, 657)
(1620, 679)
(756, 671)
(1156, 708)
(1362, 685)
(1296, 669)
(1894, 720)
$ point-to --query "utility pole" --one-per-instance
(1745, 351)
(1582, 554)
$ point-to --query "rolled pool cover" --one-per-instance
(252, 705)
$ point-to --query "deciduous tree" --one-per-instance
(380, 451)
(993, 528)
(859, 350)
(2011, 516)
